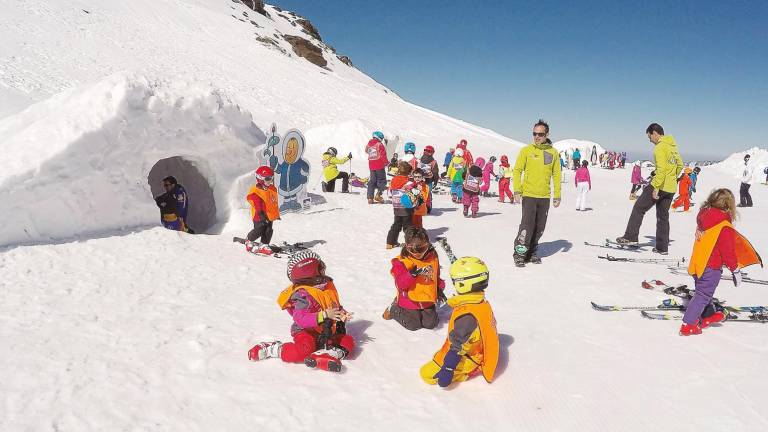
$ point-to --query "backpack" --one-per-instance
(472, 183)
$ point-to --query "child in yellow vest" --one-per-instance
(417, 279)
(318, 330)
(717, 245)
(472, 345)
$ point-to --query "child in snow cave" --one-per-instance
(399, 188)
(472, 345)
(473, 179)
(417, 280)
(264, 211)
(318, 329)
(717, 244)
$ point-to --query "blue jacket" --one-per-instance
(447, 160)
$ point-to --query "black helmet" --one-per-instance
(332, 151)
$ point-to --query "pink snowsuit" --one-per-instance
(637, 177)
(487, 171)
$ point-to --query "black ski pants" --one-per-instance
(401, 223)
(330, 186)
(644, 203)
(532, 224)
(414, 319)
(635, 188)
(745, 199)
(378, 180)
(261, 229)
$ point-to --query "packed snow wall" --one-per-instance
(79, 163)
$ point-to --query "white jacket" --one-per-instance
(746, 175)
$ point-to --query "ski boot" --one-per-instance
(474, 215)
(265, 350)
(519, 260)
(378, 198)
(660, 252)
(258, 248)
(326, 359)
(466, 212)
(690, 329)
(626, 242)
(534, 259)
(716, 317)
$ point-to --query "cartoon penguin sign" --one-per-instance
(291, 169)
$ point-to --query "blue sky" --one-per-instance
(596, 70)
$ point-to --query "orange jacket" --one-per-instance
(325, 298)
(482, 347)
(703, 247)
(684, 185)
(425, 290)
(263, 200)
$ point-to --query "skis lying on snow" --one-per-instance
(643, 260)
(744, 277)
(755, 317)
(667, 304)
(277, 251)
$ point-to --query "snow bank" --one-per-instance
(79, 162)
(734, 163)
(585, 147)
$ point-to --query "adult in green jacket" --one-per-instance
(538, 164)
(331, 173)
(659, 193)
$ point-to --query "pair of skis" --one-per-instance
(610, 244)
(278, 251)
(744, 277)
(756, 314)
(668, 261)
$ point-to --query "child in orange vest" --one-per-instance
(472, 345)
(318, 330)
(264, 210)
(421, 188)
(417, 280)
(403, 213)
(717, 244)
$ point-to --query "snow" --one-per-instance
(734, 164)
(585, 147)
(116, 324)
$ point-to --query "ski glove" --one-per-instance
(518, 197)
(349, 156)
(556, 202)
(445, 375)
(737, 278)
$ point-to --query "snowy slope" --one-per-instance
(585, 147)
(149, 331)
(734, 164)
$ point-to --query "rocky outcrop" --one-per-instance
(309, 28)
(256, 6)
(306, 49)
(345, 60)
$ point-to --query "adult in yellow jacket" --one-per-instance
(659, 193)
(536, 166)
(331, 172)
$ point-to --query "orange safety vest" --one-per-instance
(269, 196)
(425, 290)
(327, 298)
(482, 349)
(703, 247)
(422, 209)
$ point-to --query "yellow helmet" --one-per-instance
(469, 274)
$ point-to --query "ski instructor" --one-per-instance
(662, 189)
(541, 164)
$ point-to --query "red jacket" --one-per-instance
(724, 253)
(377, 154)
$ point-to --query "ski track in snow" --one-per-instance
(149, 331)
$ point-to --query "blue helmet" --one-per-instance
(410, 148)
(378, 135)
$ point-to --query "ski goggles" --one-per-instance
(420, 249)
(269, 179)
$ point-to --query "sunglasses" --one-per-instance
(540, 134)
(418, 177)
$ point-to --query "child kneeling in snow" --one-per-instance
(417, 280)
(717, 244)
(472, 345)
(318, 330)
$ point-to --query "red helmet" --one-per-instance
(463, 142)
(305, 265)
(429, 149)
(504, 159)
(264, 174)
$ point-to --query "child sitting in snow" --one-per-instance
(417, 280)
(356, 181)
(472, 345)
(473, 179)
(717, 244)
(318, 330)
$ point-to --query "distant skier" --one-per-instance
(331, 172)
(417, 280)
(456, 174)
(583, 185)
(535, 169)
(717, 245)
(576, 159)
(264, 211)
(173, 204)
(745, 199)
(637, 181)
(487, 171)
(660, 193)
(473, 179)
(377, 162)
(505, 178)
(593, 156)
(683, 187)
(472, 342)
(318, 330)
